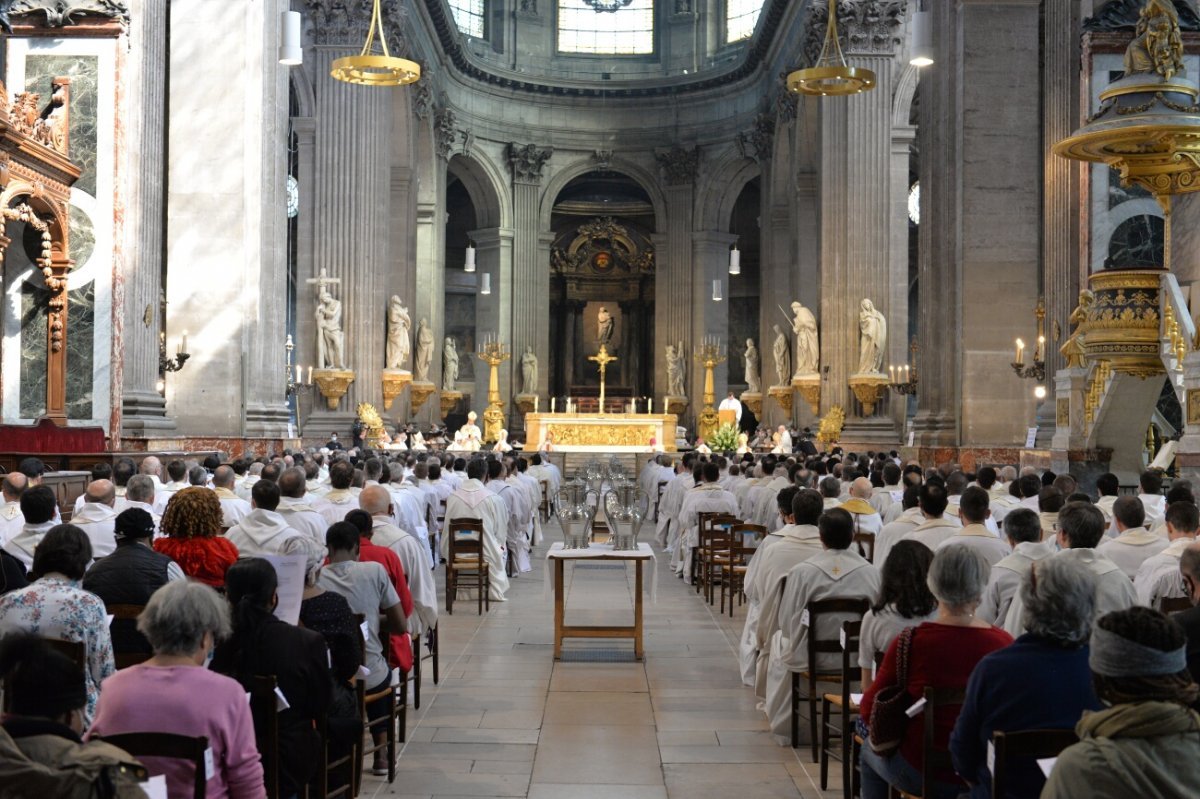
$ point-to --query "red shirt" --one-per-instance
(941, 656)
(205, 560)
(400, 646)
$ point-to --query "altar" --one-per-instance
(601, 432)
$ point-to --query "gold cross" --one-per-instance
(602, 359)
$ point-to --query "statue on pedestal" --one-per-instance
(872, 328)
(808, 350)
(529, 371)
(449, 365)
(398, 334)
(752, 381)
(1072, 349)
(675, 370)
(330, 339)
(604, 326)
(424, 354)
(783, 371)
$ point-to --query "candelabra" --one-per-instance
(493, 352)
(296, 385)
(903, 379)
(1037, 370)
(166, 364)
(709, 353)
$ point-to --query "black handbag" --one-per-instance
(889, 713)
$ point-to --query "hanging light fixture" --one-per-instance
(469, 262)
(735, 261)
(485, 283)
(290, 52)
(369, 69)
(922, 38)
(717, 290)
(831, 75)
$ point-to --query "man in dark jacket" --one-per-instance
(130, 575)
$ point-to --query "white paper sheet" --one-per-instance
(1046, 764)
(289, 569)
(156, 787)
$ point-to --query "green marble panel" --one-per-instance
(83, 236)
(33, 350)
(81, 324)
(83, 70)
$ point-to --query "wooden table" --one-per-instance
(602, 552)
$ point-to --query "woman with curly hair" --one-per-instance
(1146, 741)
(904, 601)
(192, 526)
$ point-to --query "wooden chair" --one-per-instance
(1175, 604)
(266, 729)
(431, 642)
(734, 565)
(75, 650)
(847, 710)
(712, 538)
(1032, 744)
(817, 646)
(330, 765)
(167, 744)
(465, 549)
(127, 615)
(396, 715)
(935, 759)
(865, 544)
(857, 743)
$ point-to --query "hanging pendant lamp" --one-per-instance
(831, 76)
(369, 69)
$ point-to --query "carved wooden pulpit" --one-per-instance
(35, 184)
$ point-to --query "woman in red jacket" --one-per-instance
(942, 654)
(192, 526)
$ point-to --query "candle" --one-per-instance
(905, 373)
(535, 404)
(1041, 345)
(892, 372)
(649, 404)
(310, 375)
(552, 400)
(1020, 351)
(297, 373)
(183, 343)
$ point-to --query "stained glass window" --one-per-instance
(740, 18)
(468, 16)
(606, 27)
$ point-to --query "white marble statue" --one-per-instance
(675, 370)
(529, 371)
(399, 333)
(808, 350)
(872, 328)
(449, 365)
(752, 363)
(424, 354)
(330, 339)
(604, 326)
(783, 371)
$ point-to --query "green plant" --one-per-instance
(723, 439)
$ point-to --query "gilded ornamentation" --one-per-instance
(809, 389)
(678, 165)
(418, 393)
(566, 434)
(394, 382)
(447, 402)
(1123, 322)
(1062, 413)
(1193, 406)
(868, 390)
(1124, 14)
(1097, 383)
(61, 13)
(1172, 333)
(753, 401)
(333, 384)
(831, 426)
(527, 161)
(444, 132)
(1073, 349)
(782, 395)
(1157, 45)
(373, 422)
(602, 246)
(493, 353)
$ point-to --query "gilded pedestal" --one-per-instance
(869, 389)
(449, 400)
(418, 392)
(809, 388)
(394, 381)
(493, 353)
(676, 405)
(753, 401)
(1123, 322)
(526, 403)
(782, 395)
(333, 384)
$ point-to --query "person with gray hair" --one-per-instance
(1146, 739)
(139, 493)
(1059, 601)
(173, 692)
(940, 653)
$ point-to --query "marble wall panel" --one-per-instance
(83, 72)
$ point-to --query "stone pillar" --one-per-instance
(898, 322)
(430, 243)
(401, 276)
(493, 312)
(135, 365)
(710, 261)
(855, 212)
(673, 279)
(530, 264)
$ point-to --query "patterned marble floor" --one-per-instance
(507, 721)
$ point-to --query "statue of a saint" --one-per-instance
(1157, 45)
(529, 369)
(330, 341)
(1072, 349)
(449, 365)
(424, 354)
(604, 326)
(752, 381)
(783, 370)
(675, 370)
(808, 350)
(398, 337)
(872, 328)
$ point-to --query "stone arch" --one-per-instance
(720, 189)
(306, 101)
(902, 98)
(485, 184)
(562, 177)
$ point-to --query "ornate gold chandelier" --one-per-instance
(831, 75)
(369, 69)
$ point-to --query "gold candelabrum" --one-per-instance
(903, 379)
(1037, 370)
(493, 352)
(708, 354)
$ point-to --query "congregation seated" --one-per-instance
(937, 526)
(173, 692)
(473, 501)
(901, 518)
(11, 520)
(297, 508)
(866, 519)
(54, 606)
(96, 517)
(413, 555)
(233, 507)
(1133, 543)
(260, 645)
(941, 653)
(42, 752)
(1050, 503)
(708, 497)
(1158, 576)
(904, 600)
(973, 514)
(399, 649)
(139, 493)
(130, 576)
(39, 508)
(1023, 530)
(1059, 598)
(263, 531)
(191, 526)
(1146, 740)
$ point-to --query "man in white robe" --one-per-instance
(543, 474)
(836, 573)
(263, 531)
(1159, 578)
(243, 486)
(936, 527)
(891, 492)
(974, 534)
(708, 497)
(1081, 528)
(11, 520)
(533, 495)
(1109, 486)
(39, 507)
(409, 504)
(1134, 544)
(1150, 492)
(474, 501)
(376, 501)
(340, 499)
(233, 507)
(866, 519)
(1023, 532)
(517, 540)
(759, 506)
(296, 508)
(177, 474)
(667, 531)
(796, 541)
(97, 517)
(732, 403)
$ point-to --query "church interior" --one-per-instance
(350, 255)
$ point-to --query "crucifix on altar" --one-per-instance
(602, 359)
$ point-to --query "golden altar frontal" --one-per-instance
(601, 432)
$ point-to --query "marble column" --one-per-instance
(674, 279)
(493, 312)
(530, 295)
(401, 274)
(898, 322)
(139, 285)
(710, 261)
(430, 246)
(855, 213)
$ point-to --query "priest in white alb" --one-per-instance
(472, 500)
(732, 403)
(708, 497)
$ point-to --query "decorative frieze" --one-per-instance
(527, 161)
(678, 165)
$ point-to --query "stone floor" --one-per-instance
(507, 721)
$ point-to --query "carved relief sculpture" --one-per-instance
(783, 365)
(678, 165)
(1157, 45)
(604, 326)
(527, 161)
(399, 332)
(752, 364)
(808, 348)
(1073, 349)
(449, 365)
(424, 354)
(872, 328)
(330, 339)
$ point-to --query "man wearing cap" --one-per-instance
(96, 517)
(11, 519)
(130, 575)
